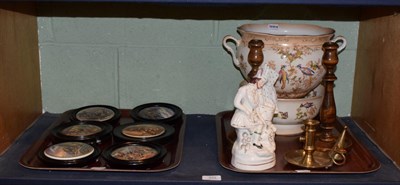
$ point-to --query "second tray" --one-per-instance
(359, 159)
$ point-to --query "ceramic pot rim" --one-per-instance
(286, 30)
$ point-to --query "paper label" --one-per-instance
(303, 171)
(273, 26)
(211, 178)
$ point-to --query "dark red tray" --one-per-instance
(359, 159)
(171, 160)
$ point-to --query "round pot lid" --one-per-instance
(68, 154)
(68, 151)
(134, 154)
(82, 131)
(159, 112)
(144, 132)
(101, 113)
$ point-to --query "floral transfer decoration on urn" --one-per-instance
(302, 112)
(291, 54)
(305, 110)
(297, 76)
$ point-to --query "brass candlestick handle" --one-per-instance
(308, 157)
(255, 57)
(328, 108)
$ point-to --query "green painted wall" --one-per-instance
(128, 61)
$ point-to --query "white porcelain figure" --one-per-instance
(294, 51)
(255, 102)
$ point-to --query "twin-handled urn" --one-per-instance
(294, 51)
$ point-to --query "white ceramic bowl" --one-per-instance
(294, 111)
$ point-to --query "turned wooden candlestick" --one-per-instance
(255, 57)
(328, 108)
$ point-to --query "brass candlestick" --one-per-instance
(308, 157)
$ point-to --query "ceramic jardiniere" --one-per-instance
(292, 50)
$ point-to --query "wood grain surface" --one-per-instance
(20, 92)
(376, 91)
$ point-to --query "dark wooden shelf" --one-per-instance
(298, 2)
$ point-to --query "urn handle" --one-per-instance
(342, 40)
(230, 50)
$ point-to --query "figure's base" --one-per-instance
(254, 165)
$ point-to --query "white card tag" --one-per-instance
(273, 26)
(211, 178)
